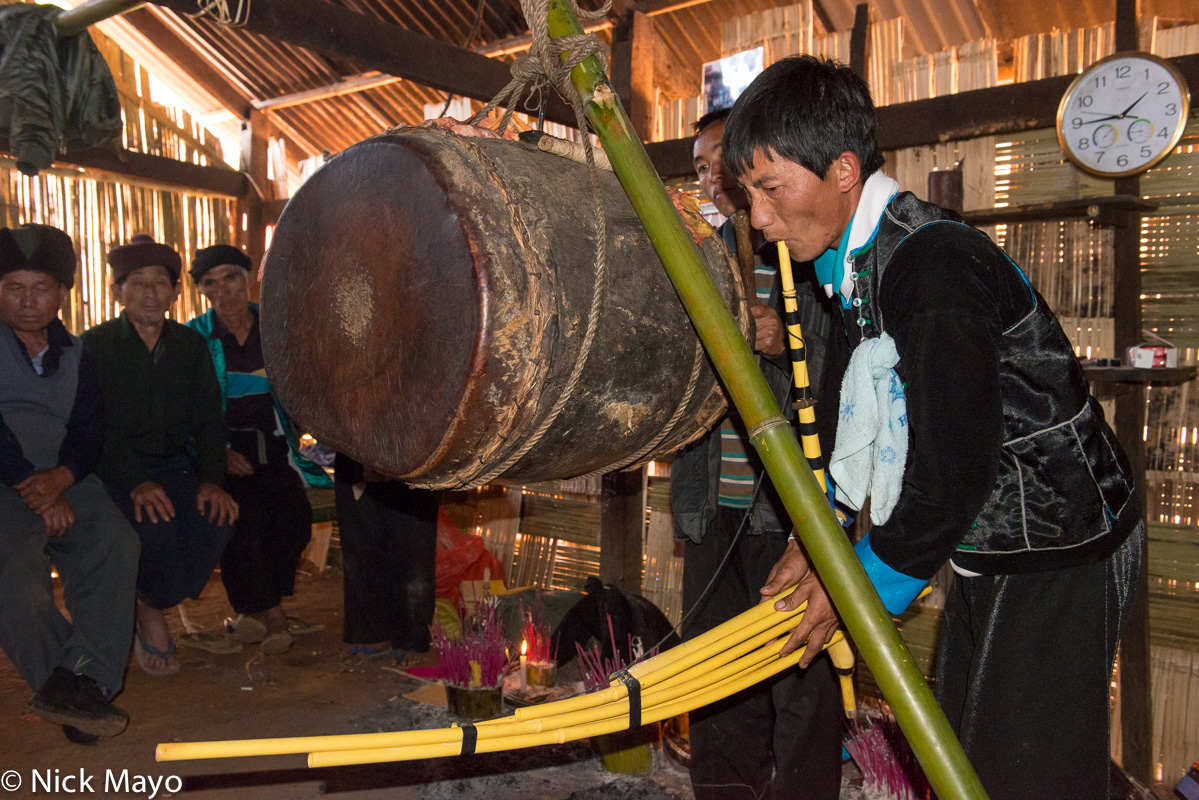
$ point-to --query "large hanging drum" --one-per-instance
(426, 298)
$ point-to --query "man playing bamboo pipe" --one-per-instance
(265, 472)
(1011, 473)
(163, 460)
(782, 737)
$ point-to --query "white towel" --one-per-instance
(872, 430)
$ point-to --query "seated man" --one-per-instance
(52, 506)
(265, 472)
(163, 458)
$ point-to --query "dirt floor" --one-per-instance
(310, 690)
(307, 691)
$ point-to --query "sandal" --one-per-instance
(249, 630)
(142, 650)
(276, 643)
(211, 642)
(298, 627)
(414, 659)
(364, 652)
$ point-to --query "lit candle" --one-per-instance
(524, 664)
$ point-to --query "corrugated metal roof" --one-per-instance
(262, 69)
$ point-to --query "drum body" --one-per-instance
(425, 301)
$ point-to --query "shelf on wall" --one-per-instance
(1108, 210)
(1160, 375)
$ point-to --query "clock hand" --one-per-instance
(1121, 115)
(1126, 111)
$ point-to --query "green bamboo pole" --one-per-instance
(900, 680)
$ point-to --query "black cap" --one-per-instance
(143, 251)
(42, 248)
(215, 256)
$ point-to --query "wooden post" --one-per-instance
(632, 68)
(622, 524)
(1136, 701)
(859, 41)
(255, 136)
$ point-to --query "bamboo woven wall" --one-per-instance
(662, 581)
(786, 31)
(99, 212)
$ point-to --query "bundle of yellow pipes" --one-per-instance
(725, 660)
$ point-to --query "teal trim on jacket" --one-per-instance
(312, 474)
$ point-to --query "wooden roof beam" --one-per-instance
(651, 8)
(347, 85)
(154, 169)
(521, 43)
(375, 44)
(996, 111)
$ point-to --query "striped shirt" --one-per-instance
(736, 468)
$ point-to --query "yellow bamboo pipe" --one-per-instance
(559, 735)
(667, 691)
(679, 686)
(735, 628)
(675, 687)
(804, 403)
(842, 657)
(841, 654)
(763, 639)
(690, 653)
(764, 623)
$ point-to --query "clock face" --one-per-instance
(1123, 114)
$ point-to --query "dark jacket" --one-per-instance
(695, 472)
(53, 92)
(1011, 466)
(158, 404)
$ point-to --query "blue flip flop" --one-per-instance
(363, 652)
(142, 650)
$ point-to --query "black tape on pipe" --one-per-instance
(634, 687)
(470, 738)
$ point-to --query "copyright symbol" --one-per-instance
(10, 781)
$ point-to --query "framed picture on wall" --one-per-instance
(726, 78)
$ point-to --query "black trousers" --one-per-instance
(177, 554)
(389, 552)
(780, 738)
(274, 525)
(1024, 673)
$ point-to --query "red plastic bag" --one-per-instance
(461, 558)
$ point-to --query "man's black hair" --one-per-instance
(807, 110)
(712, 116)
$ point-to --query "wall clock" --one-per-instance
(1123, 114)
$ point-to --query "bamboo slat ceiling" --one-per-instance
(256, 68)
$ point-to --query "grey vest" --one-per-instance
(37, 408)
(1064, 490)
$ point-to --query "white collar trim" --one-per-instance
(876, 194)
